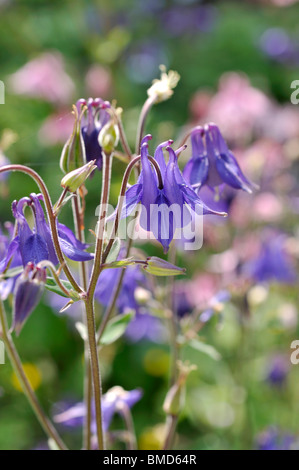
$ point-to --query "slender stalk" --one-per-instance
(90, 318)
(96, 270)
(78, 222)
(51, 217)
(47, 264)
(28, 391)
(142, 119)
(127, 416)
(172, 321)
(122, 135)
(171, 420)
(110, 309)
(171, 424)
(95, 369)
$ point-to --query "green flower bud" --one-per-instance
(73, 180)
(160, 267)
(73, 153)
(109, 137)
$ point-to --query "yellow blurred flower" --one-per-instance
(33, 374)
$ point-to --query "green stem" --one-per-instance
(19, 370)
(141, 123)
(171, 424)
(95, 369)
(87, 376)
(89, 303)
(97, 265)
(127, 416)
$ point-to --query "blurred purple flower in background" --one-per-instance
(144, 325)
(114, 401)
(279, 46)
(273, 439)
(277, 371)
(272, 263)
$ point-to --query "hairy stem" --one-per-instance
(28, 391)
(95, 369)
(142, 120)
(78, 222)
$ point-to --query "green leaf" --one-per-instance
(53, 287)
(205, 349)
(12, 272)
(113, 254)
(116, 328)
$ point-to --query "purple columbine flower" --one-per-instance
(36, 245)
(91, 125)
(28, 291)
(212, 163)
(166, 205)
(7, 285)
(114, 401)
(273, 262)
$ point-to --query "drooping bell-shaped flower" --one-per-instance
(92, 123)
(212, 163)
(35, 245)
(28, 291)
(167, 202)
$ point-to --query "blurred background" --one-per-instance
(237, 61)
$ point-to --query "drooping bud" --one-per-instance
(162, 89)
(175, 398)
(73, 155)
(160, 267)
(28, 291)
(73, 180)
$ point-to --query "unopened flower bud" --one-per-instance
(28, 291)
(109, 137)
(162, 89)
(73, 180)
(160, 267)
(73, 154)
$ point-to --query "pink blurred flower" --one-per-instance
(56, 129)
(237, 106)
(283, 3)
(281, 123)
(45, 78)
(98, 81)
